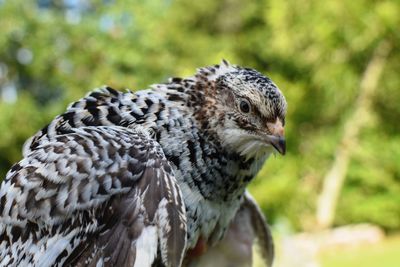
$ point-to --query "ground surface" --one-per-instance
(384, 254)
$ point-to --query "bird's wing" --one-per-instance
(95, 196)
(248, 228)
(261, 229)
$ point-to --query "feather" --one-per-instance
(118, 224)
(261, 229)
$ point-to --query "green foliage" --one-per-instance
(316, 51)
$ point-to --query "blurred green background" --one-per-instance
(337, 63)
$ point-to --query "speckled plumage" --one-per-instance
(137, 179)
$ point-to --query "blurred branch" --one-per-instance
(334, 179)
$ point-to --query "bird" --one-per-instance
(156, 177)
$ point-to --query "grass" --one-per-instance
(384, 254)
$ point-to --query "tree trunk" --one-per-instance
(334, 179)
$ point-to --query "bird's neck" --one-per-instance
(220, 175)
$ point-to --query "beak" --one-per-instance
(277, 139)
(278, 142)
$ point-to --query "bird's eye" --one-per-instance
(244, 106)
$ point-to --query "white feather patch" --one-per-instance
(146, 247)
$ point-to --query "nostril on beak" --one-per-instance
(276, 128)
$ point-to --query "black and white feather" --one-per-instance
(145, 178)
(94, 196)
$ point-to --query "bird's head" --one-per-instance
(245, 109)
